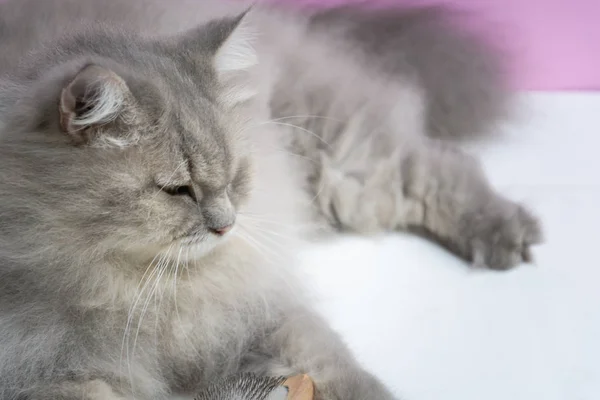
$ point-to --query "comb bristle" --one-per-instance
(241, 387)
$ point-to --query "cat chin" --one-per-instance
(186, 250)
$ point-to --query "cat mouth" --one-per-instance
(211, 235)
(195, 246)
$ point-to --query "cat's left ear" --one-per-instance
(228, 45)
(235, 53)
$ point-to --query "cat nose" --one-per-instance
(221, 231)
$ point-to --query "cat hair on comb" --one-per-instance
(252, 387)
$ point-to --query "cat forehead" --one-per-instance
(203, 133)
(212, 174)
(195, 148)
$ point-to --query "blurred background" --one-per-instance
(555, 44)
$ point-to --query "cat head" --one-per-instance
(128, 145)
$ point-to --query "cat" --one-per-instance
(161, 164)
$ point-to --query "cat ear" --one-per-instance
(234, 62)
(227, 45)
(236, 52)
(94, 97)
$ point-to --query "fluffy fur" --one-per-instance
(134, 135)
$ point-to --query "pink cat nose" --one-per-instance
(222, 230)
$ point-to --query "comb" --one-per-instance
(252, 387)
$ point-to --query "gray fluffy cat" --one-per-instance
(161, 161)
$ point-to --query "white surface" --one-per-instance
(434, 330)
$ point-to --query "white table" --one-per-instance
(434, 330)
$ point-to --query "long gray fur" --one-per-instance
(133, 134)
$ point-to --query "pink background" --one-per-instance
(555, 44)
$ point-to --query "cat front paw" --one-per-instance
(500, 235)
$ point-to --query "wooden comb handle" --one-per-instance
(300, 387)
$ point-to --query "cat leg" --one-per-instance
(303, 343)
(433, 188)
(89, 390)
(455, 204)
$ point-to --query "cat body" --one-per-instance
(161, 165)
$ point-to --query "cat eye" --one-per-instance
(184, 190)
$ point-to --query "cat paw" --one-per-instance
(501, 237)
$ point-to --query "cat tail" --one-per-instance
(464, 77)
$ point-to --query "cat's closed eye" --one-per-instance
(180, 190)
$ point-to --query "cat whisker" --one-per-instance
(271, 239)
(271, 232)
(187, 264)
(184, 264)
(259, 218)
(272, 246)
(177, 314)
(161, 268)
(285, 151)
(306, 117)
(256, 245)
(131, 311)
(302, 130)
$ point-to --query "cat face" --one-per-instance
(141, 154)
(178, 186)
